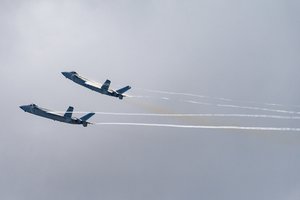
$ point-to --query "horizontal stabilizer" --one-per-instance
(124, 89)
(105, 85)
(87, 116)
(68, 113)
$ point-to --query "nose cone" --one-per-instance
(66, 74)
(24, 108)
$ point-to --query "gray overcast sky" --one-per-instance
(247, 51)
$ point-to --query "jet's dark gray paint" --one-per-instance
(104, 89)
(66, 118)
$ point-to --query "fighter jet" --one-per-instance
(103, 89)
(67, 117)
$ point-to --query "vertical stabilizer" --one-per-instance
(69, 112)
(105, 85)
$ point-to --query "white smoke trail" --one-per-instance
(188, 115)
(179, 93)
(244, 107)
(259, 108)
(202, 127)
(138, 96)
(198, 102)
(216, 98)
(147, 97)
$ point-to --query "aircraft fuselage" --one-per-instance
(34, 109)
(91, 84)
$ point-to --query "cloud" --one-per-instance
(238, 50)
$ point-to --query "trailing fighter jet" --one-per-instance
(67, 117)
(103, 89)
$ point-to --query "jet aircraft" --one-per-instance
(66, 118)
(103, 89)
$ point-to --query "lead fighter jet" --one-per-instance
(103, 89)
(67, 117)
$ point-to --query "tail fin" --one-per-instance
(68, 113)
(105, 85)
(124, 89)
(87, 116)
